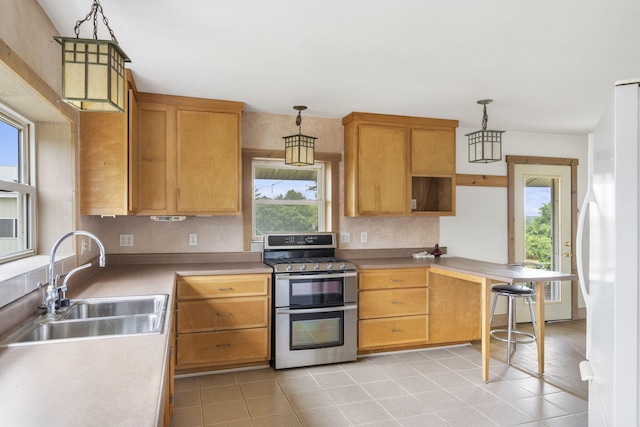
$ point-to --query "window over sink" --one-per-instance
(17, 186)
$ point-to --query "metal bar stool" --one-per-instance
(512, 292)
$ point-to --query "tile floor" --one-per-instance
(437, 387)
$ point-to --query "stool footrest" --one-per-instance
(529, 336)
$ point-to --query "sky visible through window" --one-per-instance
(8, 145)
(272, 188)
(535, 197)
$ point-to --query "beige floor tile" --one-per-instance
(333, 379)
(224, 412)
(539, 408)
(364, 412)
(240, 423)
(474, 395)
(300, 383)
(423, 420)
(187, 383)
(367, 374)
(221, 393)
(449, 380)
(187, 398)
(403, 406)
(398, 370)
(279, 420)
(187, 417)
(260, 388)
(458, 363)
(347, 394)
(382, 389)
(428, 367)
(419, 384)
(255, 375)
(310, 399)
(465, 417)
(503, 413)
(577, 420)
(506, 390)
(268, 405)
(323, 417)
(361, 363)
(324, 369)
(567, 401)
(439, 353)
(215, 380)
(440, 400)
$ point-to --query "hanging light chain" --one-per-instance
(93, 15)
(485, 118)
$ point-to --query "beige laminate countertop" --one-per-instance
(497, 272)
(115, 381)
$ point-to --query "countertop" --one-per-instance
(115, 381)
(498, 272)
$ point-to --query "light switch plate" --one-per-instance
(345, 237)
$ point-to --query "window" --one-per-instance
(287, 199)
(17, 192)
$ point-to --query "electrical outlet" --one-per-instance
(345, 237)
(363, 237)
(193, 239)
(85, 246)
(126, 240)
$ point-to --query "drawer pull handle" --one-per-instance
(224, 313)
(396, 280)
(223, 345)
(225, 289)
(396, 330)
(396, 302)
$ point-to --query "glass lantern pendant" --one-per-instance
(93, 72)
(299, 149)
(485, 145)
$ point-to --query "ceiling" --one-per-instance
(549, 65)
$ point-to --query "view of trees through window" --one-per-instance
(287, 199)
(539, 227)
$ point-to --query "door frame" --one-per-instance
(552, 161)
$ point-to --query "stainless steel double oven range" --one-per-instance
(314, 300)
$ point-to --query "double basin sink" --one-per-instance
(96, 317)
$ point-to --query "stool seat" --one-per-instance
(519, 289)
(512, 292)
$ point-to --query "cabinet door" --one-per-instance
(154, 121)
(223, 286)
(223, 348)
(392, 302)
(454, 310)
(392, 278)
(208, 162)
(392, 332)
(433, 152)
(223, 313)
(382, 177)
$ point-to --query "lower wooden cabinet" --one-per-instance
(223, 321)
(393, 308)
(408, 308)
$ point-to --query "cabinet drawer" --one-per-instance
(394, 278)
(394, 302)
(220, 348)
(197, 287)
(223, 313)
(378, 333)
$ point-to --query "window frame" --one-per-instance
(319, 202)
(26, 185)
(331, 182)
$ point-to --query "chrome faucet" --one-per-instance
(52, 295)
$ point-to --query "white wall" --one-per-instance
(479, 230)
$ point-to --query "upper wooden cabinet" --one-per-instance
(105, 143)
(166, 155)
(398, 165)
(188, 155)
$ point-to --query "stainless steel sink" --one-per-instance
(120, 306)
(96, 318)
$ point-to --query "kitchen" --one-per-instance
(464, 234)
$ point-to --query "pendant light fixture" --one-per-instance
(93, 70)
(299, 149)
(485, 145)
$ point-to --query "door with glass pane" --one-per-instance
(542, 222)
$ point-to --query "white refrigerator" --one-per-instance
(609, 276)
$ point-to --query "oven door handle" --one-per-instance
(345, 307)
(313, 275)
